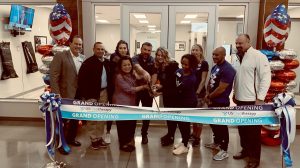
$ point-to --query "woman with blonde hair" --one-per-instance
(166, 86)
(201, 75)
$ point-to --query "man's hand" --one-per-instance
(233, 99)
(92, 100)
(259, 102)
(146, 76)
(207, 99)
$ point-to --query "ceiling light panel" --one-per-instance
(185, 21)
(140, 16)
(151, 26)
(102, 21)
(190, 16)
(143, 21)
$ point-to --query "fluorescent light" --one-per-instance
(140, 16)
(190, 16)
(102, 21)
(240, 16)
(152, 26)
(151, 29)
(96, 16)
(143, 21)
(185, 21)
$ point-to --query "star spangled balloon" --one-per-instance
(60, 25)
(277, 26)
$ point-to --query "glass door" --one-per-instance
(141, 24)
(189, 25)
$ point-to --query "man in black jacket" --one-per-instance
(94, 85)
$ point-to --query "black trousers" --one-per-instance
(70, 129)
(221, 133)
(108, 125)
(147, 101)
(185, 131)
(250, 137)
(126, 131)
(170, 101)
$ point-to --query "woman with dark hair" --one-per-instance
(186, 97)
(166, 86)
(201, 75)
(121, 51)
(125, 94)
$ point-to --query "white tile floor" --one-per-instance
(22, 146)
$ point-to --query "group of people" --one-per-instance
(129, 81)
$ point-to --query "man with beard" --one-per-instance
(144, 66)
(252, 82)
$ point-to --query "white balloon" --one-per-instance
(47, 60)
(287, 54)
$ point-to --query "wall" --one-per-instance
(182, 34)
(293, 43)
(25, 81)
(109, 35)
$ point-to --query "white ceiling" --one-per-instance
(104, 13)
(230, 12)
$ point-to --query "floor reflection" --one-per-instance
(22, 146)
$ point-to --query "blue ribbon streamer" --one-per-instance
(50, 107)
(284, 104)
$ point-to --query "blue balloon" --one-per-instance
(280, 14)
(58, 7)
(46, 79)
(270, 54)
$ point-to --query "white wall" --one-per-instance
(25, 81)
(182, 34)
(293, 43)
(109, 35)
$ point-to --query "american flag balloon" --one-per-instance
(277, 27)
(60, 25)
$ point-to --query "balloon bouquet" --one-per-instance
(60, 28)
(276, 31)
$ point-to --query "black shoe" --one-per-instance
(62, 151)
(166, 140)
(127, 148)
(192, 138)
(99, 144)
(74, 143)
(240, 155)
(196, 142)
(144, 139)
(252, 164)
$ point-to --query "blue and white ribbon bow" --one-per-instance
(284, 104)
(50, 106)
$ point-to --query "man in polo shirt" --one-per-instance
(219, 88)
(94, 84)
(250, 88)
(144, 64)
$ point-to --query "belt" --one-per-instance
(103, 89)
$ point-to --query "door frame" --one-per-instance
(211, 26)
(126, 9)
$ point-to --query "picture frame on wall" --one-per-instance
(180, 46)
(39, 40)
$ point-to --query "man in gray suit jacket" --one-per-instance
(63, 81)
